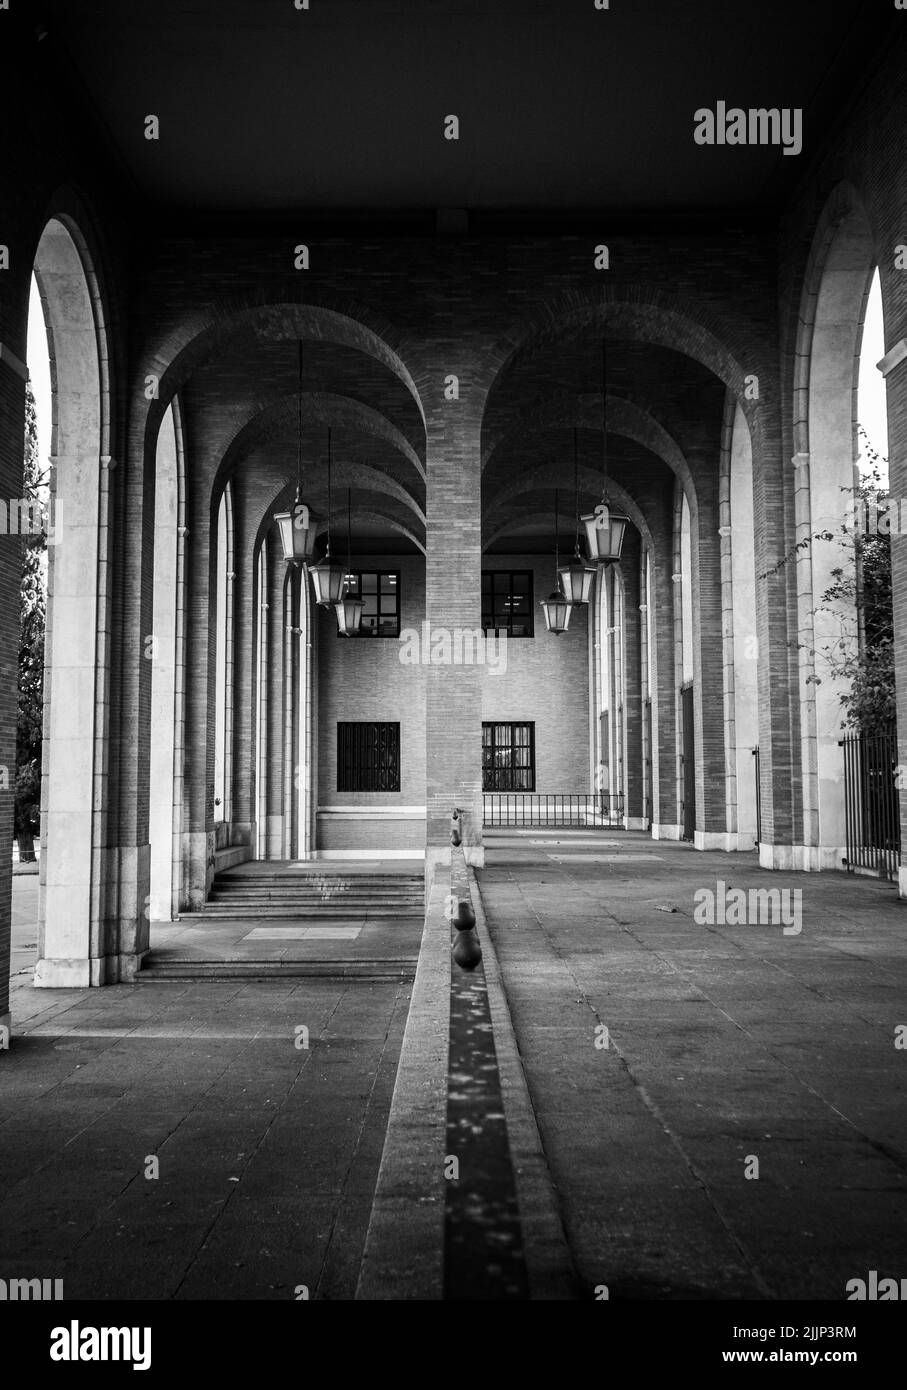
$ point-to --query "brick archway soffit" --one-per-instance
(349, 473)
(361, 510)
(843, 244)
(532, 514)
(203, 335)
(262, 424)
(631, 312)
(546, 475)
(625, 418)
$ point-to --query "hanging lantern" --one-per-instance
(556, 607)
(328, 578)
(604, 534)
(297, 534)
(576, 580)
(557, 612)
(604, 528)
(348, 609)
(329, 575)
(349, 615)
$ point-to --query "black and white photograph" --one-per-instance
(453, 672)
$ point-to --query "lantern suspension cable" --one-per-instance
(576, 491)
(299, 428)
(330, 469)
(604, 421)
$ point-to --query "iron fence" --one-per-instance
(553, 808)
(871, 806)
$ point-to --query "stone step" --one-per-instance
(280, 890)
(292, 912)
(309, 900)
(374, 968)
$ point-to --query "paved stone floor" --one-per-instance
(726, 1043)
(268, 1152)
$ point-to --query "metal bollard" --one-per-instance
(466, 949)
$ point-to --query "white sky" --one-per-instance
(39, 371)
(871, 407)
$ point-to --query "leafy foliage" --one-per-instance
(32, 610)
(859, 600)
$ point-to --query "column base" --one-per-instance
(56, 973)
(666, 832)
(806, 859)
(902, 881)
(636, 823)
(726, 841)
(6, 1029)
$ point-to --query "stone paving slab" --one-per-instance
(268, 1154)
(724, 1043)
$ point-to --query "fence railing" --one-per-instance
(553, 808)
(871, 805)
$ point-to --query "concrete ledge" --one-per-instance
(404, 1248)
(725, 841)
(370, 854)
(231, 856)
(68, 974)
(806, 859)
(547, 1254)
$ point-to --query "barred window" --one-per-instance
(368, 757)
(508, 757)
(507, 602)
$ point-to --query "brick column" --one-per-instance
(664, 680)
(634, 772)
(711, 805)
(453, 599)
(201, 643)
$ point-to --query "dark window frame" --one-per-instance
(507, 777)
(368, 632)
(498, 592)
(359, 757)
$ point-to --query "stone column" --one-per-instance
(894, 368)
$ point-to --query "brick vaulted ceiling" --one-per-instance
(267, 109)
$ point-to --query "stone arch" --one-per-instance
(168, 673)
(642, 315)
(826, 372)
(72, 946)
(261, 316)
